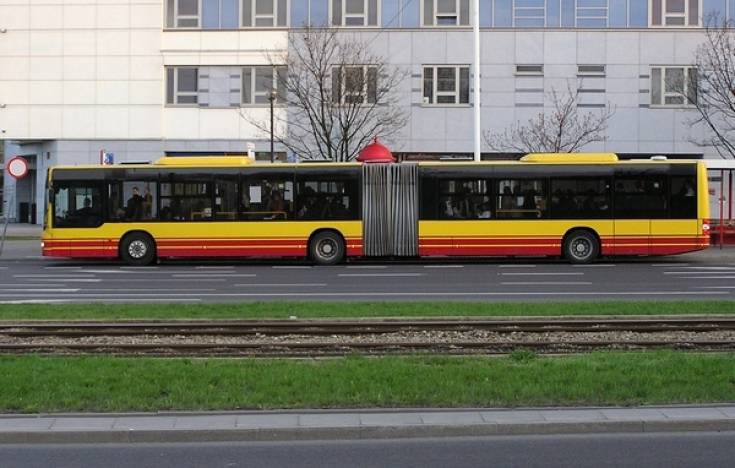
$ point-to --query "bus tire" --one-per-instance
(327, 248)
(138, 249)
(581, 246)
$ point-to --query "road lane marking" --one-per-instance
(65, 280)
(443, 266)
(279, 285)
(57, 277)
(229, 267)
(405, 294)
(69, 301)
(214, 275)
(291, 267)
(575, 273)
(377, 275)
(516, 266)
(707, 277)
(541, 283)
(601, 265)
(367, 267)
(32, 285)
(44, 290)
(666, 265)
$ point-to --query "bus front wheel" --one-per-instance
(327, 248)
(581, 247)
(138, 249)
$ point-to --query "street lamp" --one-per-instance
(272, 98)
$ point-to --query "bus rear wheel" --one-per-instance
(138, 249)
(327, 248)
(581, 247)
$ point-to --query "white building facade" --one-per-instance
(144, 78)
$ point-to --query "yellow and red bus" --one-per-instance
(578, 206)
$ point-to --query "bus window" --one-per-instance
(225, 199)
(580, 198)
(266, 199)
(326, 196)
(78, 206)
(521, 198)
(640, 197)
(683, 197)
(186, 201)
(464, 199)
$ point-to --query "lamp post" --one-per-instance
(272, 98)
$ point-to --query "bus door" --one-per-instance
(679, 231)
(390, 207)
(639, 199)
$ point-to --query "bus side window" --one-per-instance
(683, 197)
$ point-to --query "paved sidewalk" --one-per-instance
(22, 230)
(363, 424)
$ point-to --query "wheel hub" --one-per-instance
(137, 249)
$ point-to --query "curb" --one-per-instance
(361, 432)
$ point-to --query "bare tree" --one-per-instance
(710, 87)
(560, 129)
(338, 95)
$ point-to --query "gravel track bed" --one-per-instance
(448, 337)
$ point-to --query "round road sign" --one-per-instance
(17, 167)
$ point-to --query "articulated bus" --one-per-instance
(579, 206)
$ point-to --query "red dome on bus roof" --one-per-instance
(376, 153)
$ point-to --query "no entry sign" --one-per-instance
(17, 167)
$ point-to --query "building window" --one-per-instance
(530, 70)
(591, 70)
(529, 13)
(182, 85)
(673, 86)
(354, 12)
(264, 13)
(446, 85)
(591, 13)
(446, 12)
(675, 12)
(258, 83)
(182, 13)
(219, 14)
(355, 84)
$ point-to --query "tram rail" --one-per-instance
(305, 338)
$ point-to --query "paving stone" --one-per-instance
(206, 422)
(390, 419)
(633, 414)
(452, 418)
(25, 424)
(329, 420)
(572, 415)
(86, 424)
(150, 423)
(728, 411)
(693, 413)
(512, 416)
(257, 421)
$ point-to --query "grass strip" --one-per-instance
(108, 384)
(262, 310)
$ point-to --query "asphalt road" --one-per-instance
(712, 450)
(25, 277)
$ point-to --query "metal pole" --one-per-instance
(476, 80)
(722, 207)
(272, 98)
(7, 219)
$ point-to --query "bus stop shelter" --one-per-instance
(720, 174)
